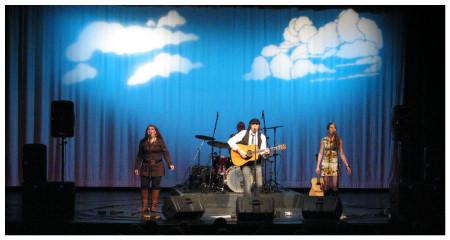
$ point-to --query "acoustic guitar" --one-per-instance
(316, 185)
(252, 154)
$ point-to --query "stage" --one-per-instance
(115, 211)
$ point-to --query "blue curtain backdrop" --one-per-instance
(126, 67)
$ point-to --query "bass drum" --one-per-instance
(235, 179)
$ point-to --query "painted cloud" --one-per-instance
(116, 38)
(306, 49)
(162, 65)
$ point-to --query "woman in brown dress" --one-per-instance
(150, 165)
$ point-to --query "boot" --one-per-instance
(155, 196)
(144, 197)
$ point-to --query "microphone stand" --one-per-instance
(212, 153)
(338, 165)
(265, 164)
(275, 158)
(254, 164)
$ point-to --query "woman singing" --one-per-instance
(150, 164)
(332, 144)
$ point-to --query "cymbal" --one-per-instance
(204, 137)
(218, 144)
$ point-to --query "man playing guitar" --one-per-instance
(252, 136)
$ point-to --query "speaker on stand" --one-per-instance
(62, 125)
(40, 198)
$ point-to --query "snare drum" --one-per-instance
(235, 179)
(221, 164)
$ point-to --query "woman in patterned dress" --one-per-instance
(332, 144)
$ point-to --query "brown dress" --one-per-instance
(149, 158)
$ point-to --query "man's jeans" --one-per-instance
(247, 174)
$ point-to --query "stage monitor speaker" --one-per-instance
(34, 163)
(48, 200)
(183, 207)
(62, 119)
(323, 208)
(255, 208)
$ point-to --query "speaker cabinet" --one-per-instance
(183, 207)
(324, 208)
(62, 119)
(424, 200)
(34, 163)
(50, 199)
(255, 208)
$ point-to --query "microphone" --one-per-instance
(263, 114)
(217, 115)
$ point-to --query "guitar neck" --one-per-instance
(262, 150)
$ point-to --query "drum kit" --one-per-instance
(221, 175)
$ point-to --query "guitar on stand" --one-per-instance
(316, 185)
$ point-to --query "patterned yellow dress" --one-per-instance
(330, 159)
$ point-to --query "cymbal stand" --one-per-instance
(197, 154)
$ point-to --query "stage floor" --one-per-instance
(115, 211)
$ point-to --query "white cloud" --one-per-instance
(359, 48)
(347, 26)
(162, 65)
(260, 69)
(303, 67)
(327, 37)
(299, 52)
(306, 33)
(321, 79)
(362, 61)
(371, 31)
(347, 37)
(270, 51)
(150, 23)
(113, 37)
(172, 19)
(329, 53)
(373, 68)
(82, 72)
(280, 66)
(292, 32)
(285, 46)
(358, 75)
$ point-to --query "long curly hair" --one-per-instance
(158, 134)
(337, 139)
